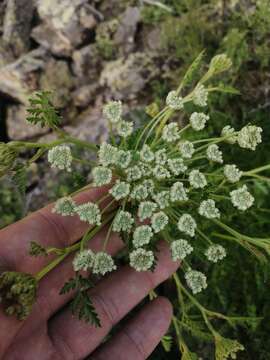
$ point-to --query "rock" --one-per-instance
(86, 64)
(125, 34)
(87, 18)
(84, 95)
(52, 40)
(58, 79)
(152, 40)
(17, 25)
(126, 77)
(20, 78)
(6, 56)
(64, 24)
(3, 5)
(91, 125)
(17, 126)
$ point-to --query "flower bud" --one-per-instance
(17, 293)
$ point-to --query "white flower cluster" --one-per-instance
(158, 186)
(141, 259)
(113, 111)
(123, 221)
(180, 249)
(99, 263)
(249, 137)
(124, 128)
(232, 173)
(147, 154)
(120, 190)
(162, 199)
(174, 101)
(198, 121)
(170, 132)
(60, 157)
(215, 253)
(83, 260)
(197, 179)
(178, 192)
(101, 175)
(196, 281)
(177, 166)
(139, 192)
(200, 95)
(89, 212)
(241, 198)
(186, 149)
(187, 225)
(208, 209)
(142, 235)
(103, 264)
(146, 210)
(229, 133)
(213, 153)
(64, 206)
(159, 221)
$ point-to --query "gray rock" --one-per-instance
(86, 64)
(125, 34)
(84, 95)
(126, 77)
(17, 25)
(91, 125)
(66, 22)
(57, 78)
(6, 56)
(17, 126)
(52, 40)
(20, 78)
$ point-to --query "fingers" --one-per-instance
(49, 299)
(141, 334)
(113, 298)
(45, 227)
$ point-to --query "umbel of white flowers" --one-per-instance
(157, 181)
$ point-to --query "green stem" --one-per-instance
(258, 169)
(89, 235)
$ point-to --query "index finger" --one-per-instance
(46, 228)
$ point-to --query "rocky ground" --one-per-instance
(81, 50)
(85, 52)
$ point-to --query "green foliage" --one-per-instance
(166, 342)
(104, 39)
(81, 305)
(226, 348)
(20, 178)
(41, 110)
(11, 207)
(193, 71)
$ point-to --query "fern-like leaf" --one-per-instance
(193, 70)
(83, 307)
(226, 348)
(187, 354)
(19, 178)
(166, 342)
(41, 110)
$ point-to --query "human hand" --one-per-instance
(51, 332)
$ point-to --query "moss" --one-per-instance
(104, 39)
